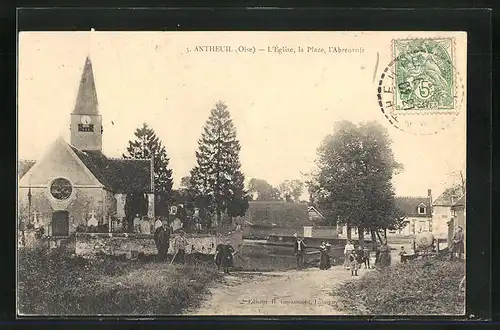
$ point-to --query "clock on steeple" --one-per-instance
(86, 122)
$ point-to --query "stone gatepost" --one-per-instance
(151, 205)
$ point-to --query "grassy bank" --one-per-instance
(416, 288)
(59, 283)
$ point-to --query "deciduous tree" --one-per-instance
(291, 188)
(354, 178)
(263, 191)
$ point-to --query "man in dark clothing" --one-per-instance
(162, 240)
(299, 249)
(217, 257)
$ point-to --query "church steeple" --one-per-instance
(86, 122)
(86, 100)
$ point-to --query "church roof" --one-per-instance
(118, 175)
(86, 100)
(24, 166)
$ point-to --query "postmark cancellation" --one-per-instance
(421, 91)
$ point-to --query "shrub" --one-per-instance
(420, 287)
(57, 282)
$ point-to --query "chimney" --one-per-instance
(429, 195)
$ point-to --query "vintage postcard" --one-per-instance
(241, 173)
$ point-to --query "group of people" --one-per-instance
(354, 257)
(162, 236)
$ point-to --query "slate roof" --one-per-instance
(86, 100)
(460, 202)
(445, 199)
(118, 175)
(314, 210)
(277, 213)
(23, 166)
(409, 206)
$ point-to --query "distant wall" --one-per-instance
(320, 232)
(261, 232)
(126, 244)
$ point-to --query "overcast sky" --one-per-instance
(282, 105)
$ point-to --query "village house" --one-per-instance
(443, 213)
(418, 217)
(75, 182)
(325, 224)
(418, 214)
(265, 218)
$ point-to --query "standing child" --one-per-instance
(180, 243)
(226, 256)
(403, 254)
(366, 254)
(360, 257)
(353, 263)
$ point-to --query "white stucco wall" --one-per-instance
(440, 217)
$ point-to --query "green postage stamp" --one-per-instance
(424, 75)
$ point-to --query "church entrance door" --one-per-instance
(60, 223)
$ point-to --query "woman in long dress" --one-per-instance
(328, 253)
(385, 255)
(349, 247)
(323, 259)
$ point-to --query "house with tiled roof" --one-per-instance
(444, 213)
(418, 214)
(75, 182)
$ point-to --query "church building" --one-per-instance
(75, 182)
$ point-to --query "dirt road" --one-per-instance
(306, 292)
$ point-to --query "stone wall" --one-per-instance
(127, 244)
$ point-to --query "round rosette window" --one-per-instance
(61, 189)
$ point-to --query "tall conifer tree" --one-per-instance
(216, 178)
(145, 146)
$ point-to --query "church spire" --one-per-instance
(86, 101)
